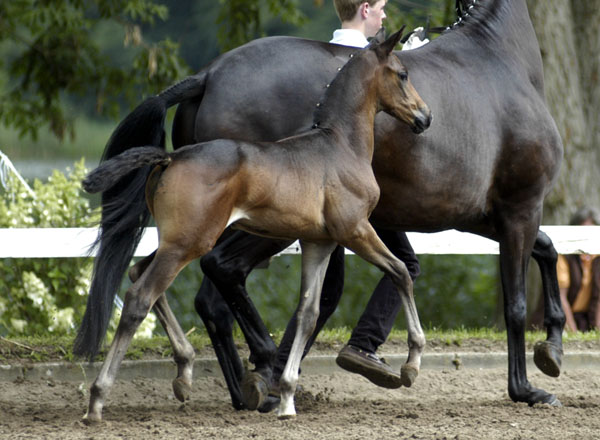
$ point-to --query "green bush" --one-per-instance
(44, 295)
(48, 295)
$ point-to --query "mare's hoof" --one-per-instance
(548, 358)
(409, 375)
(181, 390)
(551, 400)
(555, 402)
(254, 390)
(269, 404)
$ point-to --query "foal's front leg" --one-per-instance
(315, 258)
(366, 244)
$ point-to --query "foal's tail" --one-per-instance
(124, 211)
(108, 173)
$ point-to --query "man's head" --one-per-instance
(366, 16)
(586, 216)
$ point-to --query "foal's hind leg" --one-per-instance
(365, 243)
(139, 299)
(548, 354)
(183, 352)
(315, 258)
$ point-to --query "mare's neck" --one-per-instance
(349, 107)
(496, 25)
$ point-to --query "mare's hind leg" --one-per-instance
(183, 352)
(548, 354)
(315, 258)
(218, 320)
(228, 266)
(366, 244)
(140, 297)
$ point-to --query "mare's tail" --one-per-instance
(124, 211)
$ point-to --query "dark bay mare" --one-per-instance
(484, 166)
(318, 187)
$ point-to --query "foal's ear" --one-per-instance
(388, 45)
(379, 36)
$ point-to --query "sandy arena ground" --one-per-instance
(443, 404)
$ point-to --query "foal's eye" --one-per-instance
(403, 76)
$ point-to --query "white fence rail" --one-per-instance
(75, 242)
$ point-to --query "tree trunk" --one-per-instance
(586, 15)
(567, 31)
(569, 42)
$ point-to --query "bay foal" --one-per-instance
(318, 187)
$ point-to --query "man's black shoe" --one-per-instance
(367, 364)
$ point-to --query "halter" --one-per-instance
(462, 12)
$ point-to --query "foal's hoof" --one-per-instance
(91, 419)
(286, 416)
(181, 390)
(548, 358)
(254, 390)
(409, 375)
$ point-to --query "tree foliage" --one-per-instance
(55, 51)
(242, 20)
(52, 52)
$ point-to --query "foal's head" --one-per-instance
(396, 94)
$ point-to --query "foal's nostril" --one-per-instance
(421, 122)
(427, 117)
(418, 126)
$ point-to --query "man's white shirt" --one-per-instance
(349, 37)
(354, 38)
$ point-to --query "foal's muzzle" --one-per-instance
(422, 121)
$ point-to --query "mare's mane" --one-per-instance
(322, 110)
(477, 19)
